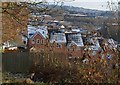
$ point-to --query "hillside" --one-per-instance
(80, 10)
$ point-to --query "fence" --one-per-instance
(23, 61)
(16, 62)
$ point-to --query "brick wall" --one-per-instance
(36, 44)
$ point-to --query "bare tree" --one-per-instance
(15, 16)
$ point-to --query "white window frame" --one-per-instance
(59, 45)
(33, 41)
(37, 41)
(42, 41)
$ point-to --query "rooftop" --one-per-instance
(75, 39)
(58, 38)
(41, 29)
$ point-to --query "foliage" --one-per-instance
(58, 68)
(14, 20)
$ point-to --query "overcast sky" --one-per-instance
(90, 4)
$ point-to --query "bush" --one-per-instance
(57, 68)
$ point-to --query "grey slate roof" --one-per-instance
(75, 39)
(58, 38)
(41, 29)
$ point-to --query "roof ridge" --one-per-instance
(36, 34)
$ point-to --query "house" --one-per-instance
(74, 44)
(59, 41)
(93, 44)
(53, 24)
(112, 43)
(37, 40)
(75, 30)
(80, 30)
(59, 38)
(37, 36)
(24, 39)
(74, 39)
(60, 30)
(20, 41)
(41, 29)
(118, 47)
(9, 44)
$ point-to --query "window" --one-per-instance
(33, 41)
(68, 49)
(42, 41)
(24, 42)
(37, 41)
(59, 45)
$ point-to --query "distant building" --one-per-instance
(118, 47)
(93, 44)
(74, 39)
(59, 42)
(37, 36)
(112, 44)
(58, 38)
(79, 30)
